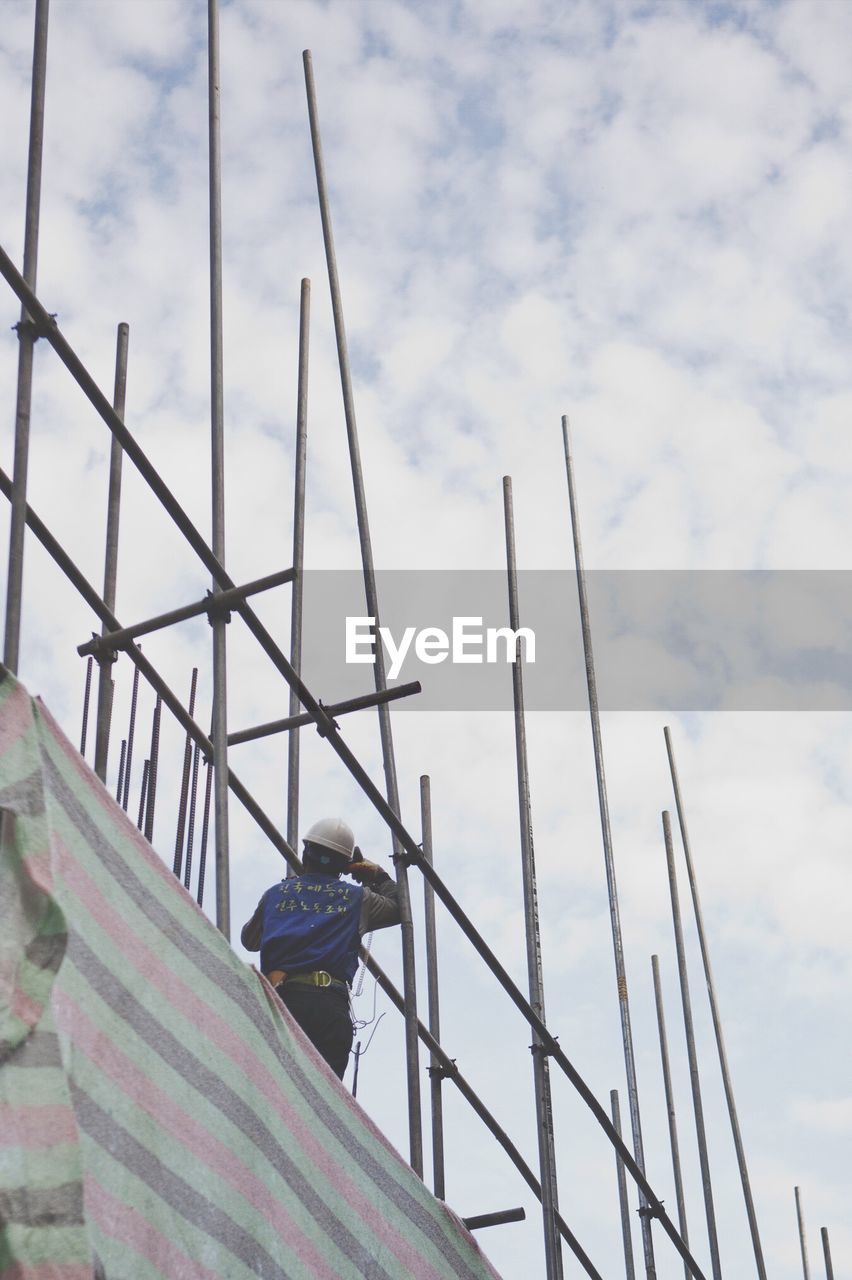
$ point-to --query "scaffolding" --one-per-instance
(208, 779)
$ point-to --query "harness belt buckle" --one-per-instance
(321, 978)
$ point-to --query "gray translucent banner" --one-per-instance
(700, 641)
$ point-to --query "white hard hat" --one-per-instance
(332, 833)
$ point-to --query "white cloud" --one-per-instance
(833, 1115)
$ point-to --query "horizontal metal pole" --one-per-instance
(212, 602)
(336, 709)
(494, 1219)
(75, 366)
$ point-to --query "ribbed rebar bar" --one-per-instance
(27, 335)
(154, 759)
(190, 828)
(184, 782)
(392, 789)
(87, 698)
(143, 794)
(106, 685)
(623, 1203)
(131, 734)
(119, 786)
(298, 556)
(826, 1253)
(532, 932)
(714, 1011)
(609, 861)
(670, 1103)
(205, 831)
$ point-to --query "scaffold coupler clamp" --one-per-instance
(216, 612)
(440, 1072)
(326, 724)
(651, 1210)
(103, 654)
(401, 857)
(546, 1050)
(32, 329)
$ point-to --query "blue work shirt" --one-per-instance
(311, 922)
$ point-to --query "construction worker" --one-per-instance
(308, 928)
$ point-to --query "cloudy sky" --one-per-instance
(635, 214)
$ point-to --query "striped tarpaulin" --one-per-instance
(160, 1115)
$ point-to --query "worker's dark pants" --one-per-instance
(323, 1015)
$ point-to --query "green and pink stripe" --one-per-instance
(160, 1115)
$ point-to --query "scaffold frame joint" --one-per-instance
(32, 329)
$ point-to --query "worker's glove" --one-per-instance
(365, 872)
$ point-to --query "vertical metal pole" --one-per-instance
(694, 1078)
(298, 560)
(106, 685)
(803, 1244)
(436, 1071)
(407, 928)
(717, 1021)
(541, 1066)
(220, 708)
(26, 345)
(826, 1252)
(184, 781)
(87, 697)
(152, 771)
(624, 1205)
(670, 1106)
(131, 733)
(615, 921)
